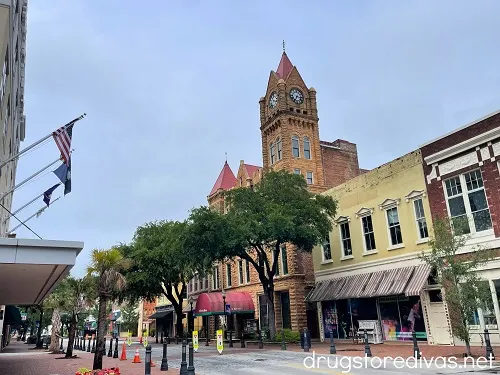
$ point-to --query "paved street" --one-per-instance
(20, 359)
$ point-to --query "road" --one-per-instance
(208, 361)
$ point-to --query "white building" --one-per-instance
(13, 24)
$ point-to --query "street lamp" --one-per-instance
(190, 300)
(223, 292)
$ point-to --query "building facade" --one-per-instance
(463, 183)
(13, 24)
(368, 270)
(289, 127)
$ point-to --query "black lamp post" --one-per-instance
(223, 292)
(191, 328)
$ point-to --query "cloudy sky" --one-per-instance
(170, 86)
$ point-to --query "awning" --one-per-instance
(418, 280)
(213, 303)
(161, 312)
(405, 280)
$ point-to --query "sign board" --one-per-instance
(129, 338)
(228, 309)
(145, 339)
(195, 341)
(220, 341)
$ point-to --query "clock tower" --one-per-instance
(289, 125)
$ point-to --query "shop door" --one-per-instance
(439, 324)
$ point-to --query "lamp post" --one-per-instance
(223, 292)
(191, 325)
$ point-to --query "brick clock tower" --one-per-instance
(289, 126)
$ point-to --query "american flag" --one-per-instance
(62, 137)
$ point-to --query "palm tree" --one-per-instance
(107, 267)
(54, 301)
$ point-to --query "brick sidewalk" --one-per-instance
(19, 360)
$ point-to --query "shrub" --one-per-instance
(290, 336)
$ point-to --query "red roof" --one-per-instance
(225, 181)
(251, 169)
(285, 66)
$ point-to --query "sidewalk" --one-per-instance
(19, 359)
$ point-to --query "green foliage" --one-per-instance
(464, 289)
(291, 337)
(105, 270)
(279, 210)
(130, 318)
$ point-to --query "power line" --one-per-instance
(22, 223)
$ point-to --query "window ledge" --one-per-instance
(327, 261)
(347, 257)
(423, 240)
(395, 247)
(371, 252)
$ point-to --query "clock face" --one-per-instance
(297, 96)
(273, 100)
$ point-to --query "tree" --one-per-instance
(160, 266)
(279, 210)
(54, 301)
(464, 289)
(130, 317)
(107, 267)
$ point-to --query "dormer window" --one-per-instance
(307, 148)
(295, 147)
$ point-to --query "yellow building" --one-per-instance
(368, 272)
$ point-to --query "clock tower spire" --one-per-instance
(289, 125)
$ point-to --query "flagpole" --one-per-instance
(38, 142)
(32, 216)
(23, 207)
(29, 178)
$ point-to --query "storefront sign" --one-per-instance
(220, 342)
(195, 341)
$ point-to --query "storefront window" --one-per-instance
(285, 309)
(330, 319)
(401, 315)
(343, 319)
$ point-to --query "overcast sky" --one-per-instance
(170, 86)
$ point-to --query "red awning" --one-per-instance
(213, 304)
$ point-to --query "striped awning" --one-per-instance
(394, 282)
(326, 290)
(418, 280)
(354, 285)
(373, 284)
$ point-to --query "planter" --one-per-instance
(106, 371)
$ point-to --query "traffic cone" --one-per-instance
(137, 359)
(140, 340)
(152, 363)
(124, 353)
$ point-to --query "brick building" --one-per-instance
(289, 126)
(463, 183)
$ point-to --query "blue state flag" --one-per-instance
(48, 194)
(63, 172)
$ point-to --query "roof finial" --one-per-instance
(226, 157)
(283, 45)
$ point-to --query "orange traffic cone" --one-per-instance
(140, 340)
(152, 363)
(137, 359)
(124, 353)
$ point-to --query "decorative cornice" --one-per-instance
(414, 194)
(389, 203)
(363, 211)
(466, 145)
(342, 219)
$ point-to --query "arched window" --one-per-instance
(280, 148)
(272, 152)
(295, 146)
(307, 148)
